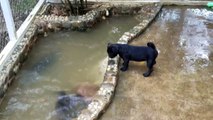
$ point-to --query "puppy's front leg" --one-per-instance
(146, 74)
(125, 64)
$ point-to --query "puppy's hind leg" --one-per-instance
(150, 64)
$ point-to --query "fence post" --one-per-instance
(5, 5)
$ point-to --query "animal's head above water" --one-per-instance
(112, 50)
(86, 90)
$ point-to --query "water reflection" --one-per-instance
(194, 39)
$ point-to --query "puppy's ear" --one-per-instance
(109, 49)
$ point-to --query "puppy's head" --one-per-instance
(112, 50)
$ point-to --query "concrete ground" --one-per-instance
(181, 86)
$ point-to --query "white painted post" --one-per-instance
(5, 5)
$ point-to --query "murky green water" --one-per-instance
(59, 62)
(181, 86)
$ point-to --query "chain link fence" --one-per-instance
(4, 38)
(20, 10)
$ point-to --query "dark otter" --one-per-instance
(68, 106)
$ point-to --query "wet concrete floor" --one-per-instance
(181, 86)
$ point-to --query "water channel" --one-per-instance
(59, 62)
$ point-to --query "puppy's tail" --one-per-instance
(152, 45)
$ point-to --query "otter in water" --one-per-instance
(69, 106)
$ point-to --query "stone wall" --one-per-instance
(19, 55)
(81, 23)
(46, 23)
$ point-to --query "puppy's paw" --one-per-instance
(123, 69)
(146, 74)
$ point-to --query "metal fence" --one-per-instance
(16, 16)
(4, 38)
(20, 10)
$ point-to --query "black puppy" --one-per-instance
(134, 53)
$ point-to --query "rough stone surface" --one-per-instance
(13, 64)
